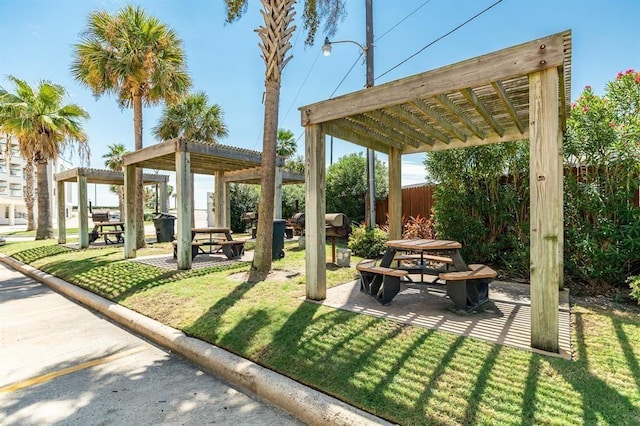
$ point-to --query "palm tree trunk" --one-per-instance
(45, 226)
(137, 126)
(275, 36)
(28, 194)
(262, 254)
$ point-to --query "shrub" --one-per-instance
(417, 227)
(634, 283)
(366, 242)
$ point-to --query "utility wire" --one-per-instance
(402, 20)
(439, 38)
(345, 76)
(301, 86)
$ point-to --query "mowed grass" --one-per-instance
(406, 374)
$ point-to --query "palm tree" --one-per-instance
(113, 161)
(192, 118)
(44, 126)
(139, 59)
(286, 146)
(275, 36)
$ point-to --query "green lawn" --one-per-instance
(407, 374)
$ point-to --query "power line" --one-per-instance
(402, 20)
(345, 76)
(440, 38)
(302, 86)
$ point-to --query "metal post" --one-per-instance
(371, 157)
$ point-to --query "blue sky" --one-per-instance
(37, 37)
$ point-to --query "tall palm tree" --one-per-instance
(113, 161)
(44, 126)
(192, 118)
(275, 36)
(137, 58)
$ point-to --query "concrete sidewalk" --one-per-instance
(306, 404)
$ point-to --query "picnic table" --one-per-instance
(217, 239)
(113, 232)
(466, 285)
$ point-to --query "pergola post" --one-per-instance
(83, 211)
(277, 197)
(315, 210)
(221, 200)
(184, 207)
(62, 222)
(164, 197)
(395, 194)
(545, 209)
(227, 195)
(130, 194)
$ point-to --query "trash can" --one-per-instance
(344, 258)
(164, 224)
(279, 227)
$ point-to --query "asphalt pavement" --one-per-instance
(61, 363)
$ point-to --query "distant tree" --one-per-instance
(192, 118)
(347, 185)
(242, 198)
(44, 125)
(113, 161)
(139, 59)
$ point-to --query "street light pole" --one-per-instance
(371, 158)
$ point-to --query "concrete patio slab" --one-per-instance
(505, 319)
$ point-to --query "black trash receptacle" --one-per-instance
(279, 227)
(164, 224)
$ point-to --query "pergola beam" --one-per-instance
(543, 53)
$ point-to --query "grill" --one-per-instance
(100, 217)
(297, 223)
(251, 219)
(336, 226)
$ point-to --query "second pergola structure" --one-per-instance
(522, 92)
(83, 176)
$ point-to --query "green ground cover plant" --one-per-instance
(407, 374)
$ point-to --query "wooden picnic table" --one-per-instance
(217, 238)
(113, 232)
(466, 286)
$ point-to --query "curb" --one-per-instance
(306, 404)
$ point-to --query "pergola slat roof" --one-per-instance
(205, 158)
(475, 102)
(104, 177)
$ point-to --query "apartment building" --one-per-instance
(13, 210)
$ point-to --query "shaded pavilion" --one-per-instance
(185, 158)
(522, 92)
(82, 176)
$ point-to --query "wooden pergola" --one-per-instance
(186, 157)
(82, 176)
(522, 92)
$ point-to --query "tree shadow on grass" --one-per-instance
(207, 326)
(601, 403)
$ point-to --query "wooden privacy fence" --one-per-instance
(416, 200)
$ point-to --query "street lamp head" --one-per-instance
(326, 47)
